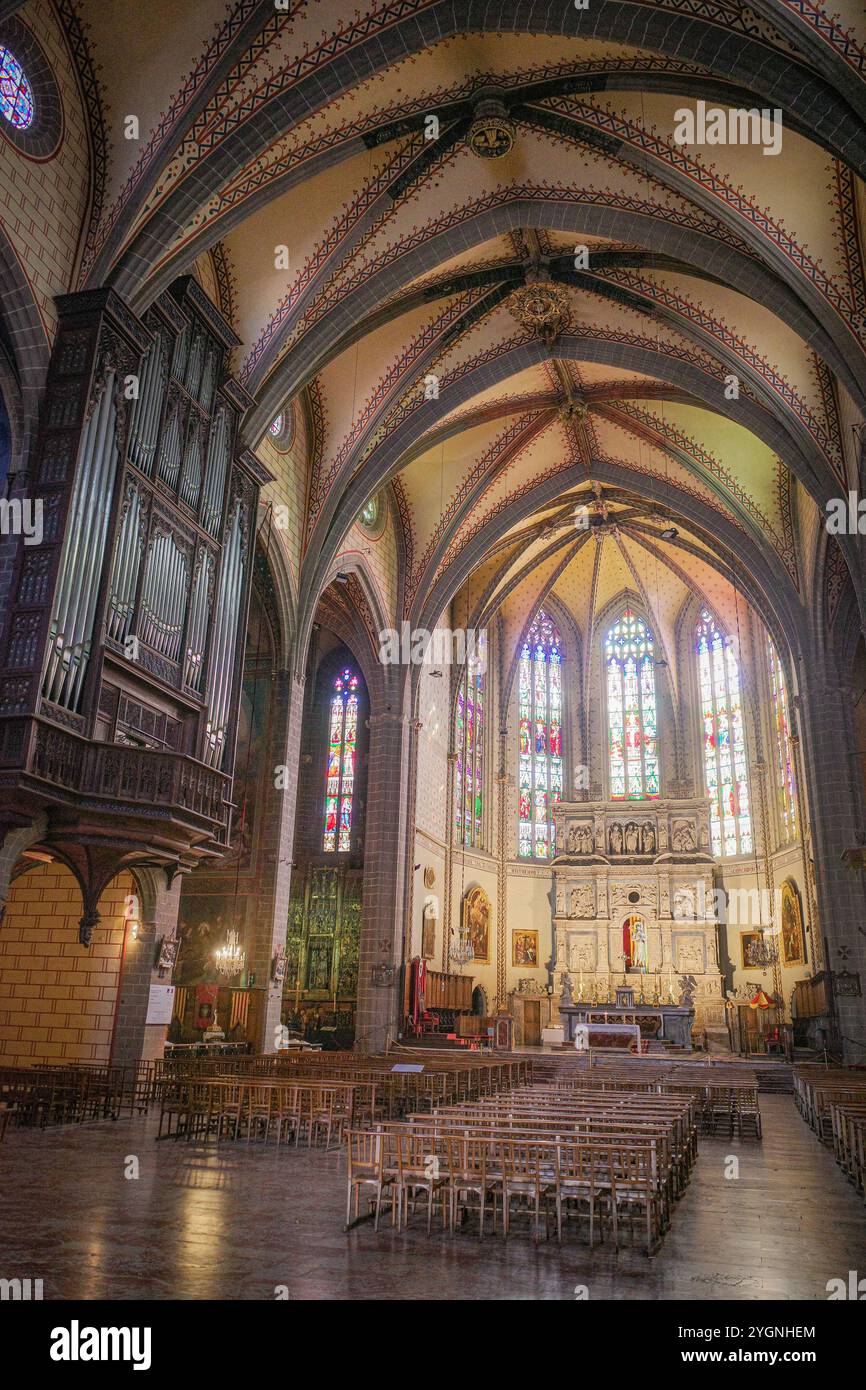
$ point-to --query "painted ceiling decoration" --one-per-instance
(508, 291)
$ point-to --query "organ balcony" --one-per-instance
(122, 629)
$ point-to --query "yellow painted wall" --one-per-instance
(57, 999)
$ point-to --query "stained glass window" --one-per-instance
(469, 747)
(631, 709)
(369, 517)
(276, 426)
(16, 94)
(539, 747)
(724, 740)
(784, 751)
(340, 775)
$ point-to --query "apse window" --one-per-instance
(631, 710)
(340, 773)
(539, 749)
(16, 95)
(784, 748)
(469, 748)
(724, 740)
(277, 424)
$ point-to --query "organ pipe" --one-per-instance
(192, 376)
(190, 477)
(215, 473)
(127, 558)
(197, 632)
(144, 430)
(223, 640)
(163, 597)
(169, 461)
(77, 592)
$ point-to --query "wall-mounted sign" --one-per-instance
(160, 1004)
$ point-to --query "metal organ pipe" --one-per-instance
(144, 431)
(197, 632)
(83, 550)
(163, 597)
(192, 376)
(125, 572)
(190, 478)
(169, 462)
(215, 473)
(224, 634)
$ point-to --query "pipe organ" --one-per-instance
(125, 627)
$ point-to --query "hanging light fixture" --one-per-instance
(230, 957)
(460, 950)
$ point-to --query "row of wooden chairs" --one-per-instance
(41, 1096)
(610, 1183)
(726, 1095)
(670, 1124)
(817, 1089)
(261, 1110)
(848, 1121)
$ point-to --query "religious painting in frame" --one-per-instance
(428, 930)
(793, 940)
(524, 948)
(476, 924)
(750, 950)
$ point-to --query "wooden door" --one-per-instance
(532, 1022)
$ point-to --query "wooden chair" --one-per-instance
(468, 1176)
(419, 1170)
(366, 1159)
(327, 1114)
(575, 1172)
(259, 1108)
(634, 1192)
(287, 1111)
(229, 1109)
(521, 1177)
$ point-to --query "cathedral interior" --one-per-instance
(432, 612)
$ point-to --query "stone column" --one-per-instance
(392, 746)
(278, 849)
(135, 1039)
(837, 827)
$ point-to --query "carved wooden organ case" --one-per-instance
(123, 643)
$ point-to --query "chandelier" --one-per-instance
(461, 951)
(541, 306)
(231, 957)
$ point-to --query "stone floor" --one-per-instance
(235, 1222)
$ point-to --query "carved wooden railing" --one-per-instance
(173, 783)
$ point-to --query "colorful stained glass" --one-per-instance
(469, 748)
(276, 426)
(724, 740)
(631, 710)
(16, 94)
(784, 752)
(539, 738)
(340, 770)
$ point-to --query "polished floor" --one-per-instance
(238, 1222)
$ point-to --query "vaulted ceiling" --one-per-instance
(327, 169)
